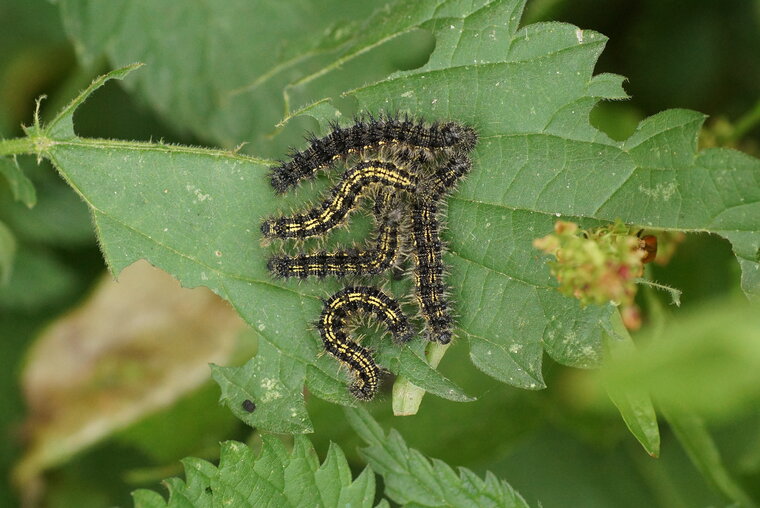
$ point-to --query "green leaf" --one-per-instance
(703, 452)
(701, 365)
(21, 187)
(138, 214)
(45, 281)
(538, 159)
(274, 383)
(195, 212)
(62, 126)
(635, 405)
(229, 87)
(7, 253)
(706, 362)
(411, 479)
(281, 477)
(144, 498)
(276, 478)
(407, 397)
(59, 218)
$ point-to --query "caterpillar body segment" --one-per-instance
(338, 310)
(429, 270)
(358, 181)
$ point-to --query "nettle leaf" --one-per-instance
(236, 57)
(411, 479)
(529, 92)
(195, 212)
(21, 187)
(276, 477)
(632, 401)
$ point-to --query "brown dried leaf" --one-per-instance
(134, 347)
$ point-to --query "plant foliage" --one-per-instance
(194, 212)
(280, 478)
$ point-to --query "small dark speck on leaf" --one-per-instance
(249, 406)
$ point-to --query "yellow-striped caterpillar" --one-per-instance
(376, 259)
(341, 307)
(355, 183)
(429, 269)
(371, 134)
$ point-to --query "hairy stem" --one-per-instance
(17, 146)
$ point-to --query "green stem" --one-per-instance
(658, 478)
(692, 433)
(746, 123)
(406, 395)
(17, 146)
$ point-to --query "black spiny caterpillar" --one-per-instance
(370, 134)
(429, 270)
(341, 307)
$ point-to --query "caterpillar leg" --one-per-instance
(380, 256)
(341, 307)
(356, 182)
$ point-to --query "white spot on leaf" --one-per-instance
(200, 196)
(661, 191)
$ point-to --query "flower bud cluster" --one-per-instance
(596, 266)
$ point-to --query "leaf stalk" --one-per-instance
(18, 146)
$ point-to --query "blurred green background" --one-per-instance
(561, 446)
